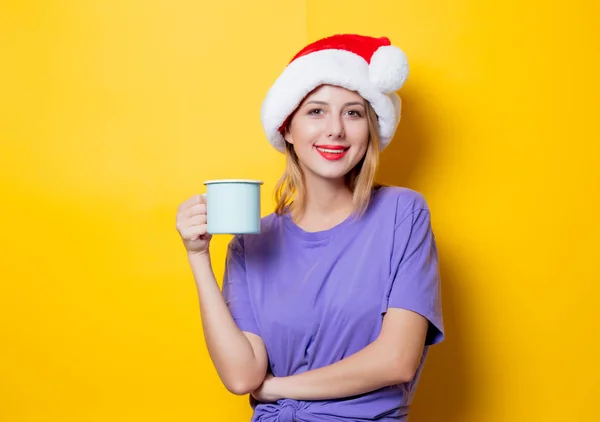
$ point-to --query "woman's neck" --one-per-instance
(327, 204)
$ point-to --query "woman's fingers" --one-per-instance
(195, 210)
(190, 202)
(196, 220)
(194, 232)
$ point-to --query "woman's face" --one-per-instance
(329, 132)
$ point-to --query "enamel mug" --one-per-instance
(233, 206)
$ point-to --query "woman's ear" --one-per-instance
(287, 135)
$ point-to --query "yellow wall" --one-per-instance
(116, 112)
(113, 112)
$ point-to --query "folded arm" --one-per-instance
(240, 358)
(391, 359)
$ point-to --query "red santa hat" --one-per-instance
(370, 66)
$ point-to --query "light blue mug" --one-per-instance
(233, 206)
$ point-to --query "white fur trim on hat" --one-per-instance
(340, 68)
(388, 69)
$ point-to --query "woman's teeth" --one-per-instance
(332, 151)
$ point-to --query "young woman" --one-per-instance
(328, 313)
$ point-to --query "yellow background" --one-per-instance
(114, 112)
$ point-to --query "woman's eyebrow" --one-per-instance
(325, 103)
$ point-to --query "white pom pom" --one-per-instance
(388, 69)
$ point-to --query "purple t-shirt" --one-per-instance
(318, 297)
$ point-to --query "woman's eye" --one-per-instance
(315, 111)
(354, 113)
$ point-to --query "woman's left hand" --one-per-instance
(267, 392)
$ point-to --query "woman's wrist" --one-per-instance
(272, 389)
(200, 262)
(199, 257)
(280, 387)
(201, 267)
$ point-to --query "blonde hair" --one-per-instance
(361, 179)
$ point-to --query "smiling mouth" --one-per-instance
(332, 152)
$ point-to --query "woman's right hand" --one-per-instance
(191, 225)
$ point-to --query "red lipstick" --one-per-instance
(332, 152)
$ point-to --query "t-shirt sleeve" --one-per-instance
(414, 282)
(235, 287)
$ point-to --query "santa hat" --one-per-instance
(370, 66)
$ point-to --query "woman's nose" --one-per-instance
(335, 127)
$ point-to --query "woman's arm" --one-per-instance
(240, 358)
(391, 359)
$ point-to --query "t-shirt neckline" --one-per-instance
(325, 235)
(316, 236)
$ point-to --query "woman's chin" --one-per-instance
(329, 169)
(332, 172)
